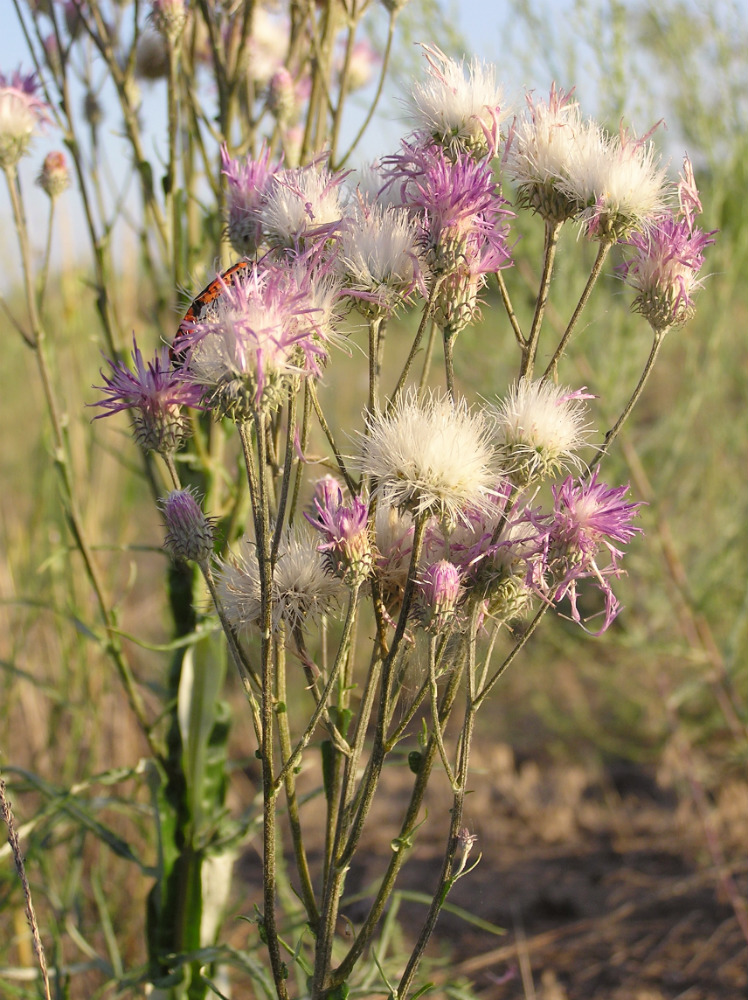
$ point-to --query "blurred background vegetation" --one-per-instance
(672, 672)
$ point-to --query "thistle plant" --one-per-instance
(367, 575)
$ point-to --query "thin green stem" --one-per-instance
(602, 252)
(509, 308)
(515, 651)
(247, 674)
(288, 463)
(288, 778)
(268, 703)
(428, 355)
(328, 434)
(449, 874)
(416, 343)
(615, 429)
(552, 230)
(343, 650)
(405, 837)
(449, 365)
(341, 860)
(435, 712)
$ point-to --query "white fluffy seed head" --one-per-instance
(540, 427)
(617, 183)
(302, 590)
(238, 585)
(300, 203)
(378, 256)
(430, 456)
(460, 111)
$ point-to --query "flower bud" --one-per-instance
(189, 533)
(54, 176)
(439, 591)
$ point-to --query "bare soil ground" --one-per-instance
(604, 882)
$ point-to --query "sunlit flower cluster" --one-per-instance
(448, 514)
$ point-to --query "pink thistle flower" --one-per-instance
(664, 269)
(588, 517)
(22, 114)
(262, 332)
(459, 205)
(156, 394)
(248, 183)
(688, 194)
(345, 530)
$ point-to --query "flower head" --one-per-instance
(54, 177)
(189, 533)
(588, 518)
(345, 532)
(394, 545)
(247, 184)
(540, 150)
(430, 456)
(268, 45)
(151, 56)
(169, 17)
(22, 113)
(302, 207)
(539, 429)
(461, 113)
(301, 591)
(378, 257)
(261, 333)
(156, 394)
(664, 267)
(282, 99)
(361, 65)
(459, 206)
(616, 182)
(438, 591)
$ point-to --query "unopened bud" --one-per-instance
(189, 533)
(151, 57)
(439, 590)
(54, 176)
(281, 96)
